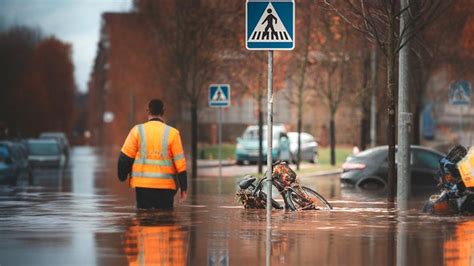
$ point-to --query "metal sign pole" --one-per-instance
(269, 136)
(220, 141)
(461, 129)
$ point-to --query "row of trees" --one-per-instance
(392, 25)
(334, 60)
(208, 35)
(36, 83)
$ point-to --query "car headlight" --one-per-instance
(239, 146)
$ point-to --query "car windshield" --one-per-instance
(252, 134)
(304, 137)
(370, 153)
(43, 148)
(4, 154)
(52, 135)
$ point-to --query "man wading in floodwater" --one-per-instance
(153, 157)
(269, 20)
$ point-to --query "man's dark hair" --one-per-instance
(155, 107)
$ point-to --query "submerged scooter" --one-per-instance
(456, 181)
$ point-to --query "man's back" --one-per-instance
(153, 157)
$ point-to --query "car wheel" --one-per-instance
(314, 159)
(372, 183)
(239, 162)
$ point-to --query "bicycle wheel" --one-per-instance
(304, 198)
(275, 204)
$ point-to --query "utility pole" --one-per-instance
(404, 117)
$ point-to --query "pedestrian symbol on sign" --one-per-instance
(219, 95)
(270, 23)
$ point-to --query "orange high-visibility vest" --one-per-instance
(158, 154)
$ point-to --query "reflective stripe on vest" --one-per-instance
(154, 162)
(141, 130)
(164, 142)
(141, 161)
(152, 175)
(178, 157)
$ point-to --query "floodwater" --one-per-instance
(84, 216)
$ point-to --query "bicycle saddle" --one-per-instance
(246, 182)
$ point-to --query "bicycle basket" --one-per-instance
(283, 173)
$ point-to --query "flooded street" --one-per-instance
(85, 216)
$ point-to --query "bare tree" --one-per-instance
(330, 68)
(193, 34)
(379, 21)
(248, 75)
(306, 23)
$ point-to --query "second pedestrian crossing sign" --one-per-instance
(270, 24)
(219, 95)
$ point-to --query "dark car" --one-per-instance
(13, 163)
(369, 169)
(45, 153)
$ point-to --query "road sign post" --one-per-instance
(270, 25)
(219, 96)
(269, 136)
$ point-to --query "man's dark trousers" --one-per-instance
(152, 198)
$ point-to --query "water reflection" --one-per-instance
(156, 239)
(459, 247)
(218, 249)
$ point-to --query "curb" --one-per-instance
(326, 173)
(214, 165)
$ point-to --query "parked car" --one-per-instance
(45, 153)
(309, 147)
(369, 169)
(61, 138)
(247, 145)
(13, 163)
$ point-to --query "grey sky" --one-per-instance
(73, 21)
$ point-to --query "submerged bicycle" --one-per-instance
(295, 196)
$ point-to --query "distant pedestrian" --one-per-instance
(153, 157)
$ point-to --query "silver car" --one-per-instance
(45, 153)
(309, 147)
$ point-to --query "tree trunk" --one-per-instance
(365, 103)
(373, 97)
(260, 133)
(299, 127)
(392, 170)
(332, 138)
(194, 139)
(364, 128)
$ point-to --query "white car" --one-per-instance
(309, 147)
(247, 145)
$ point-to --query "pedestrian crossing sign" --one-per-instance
(219, 95)
(270, 24)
